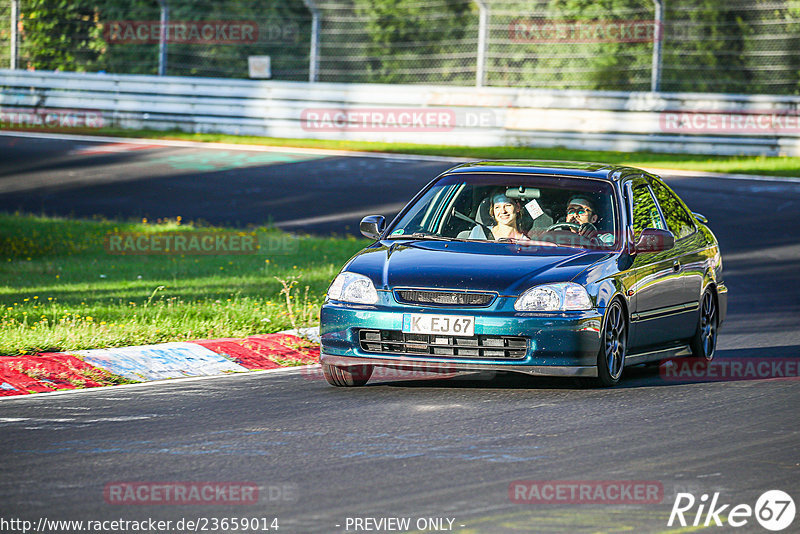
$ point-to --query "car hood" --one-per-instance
(498, 267)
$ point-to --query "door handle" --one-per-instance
(676, 266)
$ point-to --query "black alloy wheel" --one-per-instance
(704, 343)
(614, 347)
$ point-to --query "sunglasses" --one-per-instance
(578, 210)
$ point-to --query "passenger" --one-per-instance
(504, 211)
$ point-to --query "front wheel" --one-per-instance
(356, 375)
(704, 342)
(614, 346)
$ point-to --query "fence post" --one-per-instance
(162, 38)
(313, 53)
(14, 52)
(658, 36)
(483, 37)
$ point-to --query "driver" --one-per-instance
(582, 212)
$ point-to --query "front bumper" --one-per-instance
(558, 344)
(450, 367)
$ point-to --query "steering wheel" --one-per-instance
(561, 230)
(564, 225)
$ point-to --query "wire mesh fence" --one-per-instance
(735, 46)
(5, 33)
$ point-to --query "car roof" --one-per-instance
(546, 167)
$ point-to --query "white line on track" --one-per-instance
(155, 383)
(349, 153)
(232, 146)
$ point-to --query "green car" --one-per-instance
(539, 267)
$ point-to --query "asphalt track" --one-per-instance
(297, 191)
(417, 449)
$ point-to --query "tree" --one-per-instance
(60, 35)
(703, 47)
(410, 41)
(572, 44)
(771, 47)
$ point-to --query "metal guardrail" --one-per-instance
(691, 123)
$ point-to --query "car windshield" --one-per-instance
(523, 209)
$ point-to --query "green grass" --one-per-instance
(773, 166)
(60, 289)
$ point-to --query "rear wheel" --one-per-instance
(704, 342)
(614, 346)
(356, 375)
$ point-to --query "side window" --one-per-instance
(679, 221)
(645, 212)
(420, 217)
(452, 225)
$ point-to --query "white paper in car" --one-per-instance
(534, 209)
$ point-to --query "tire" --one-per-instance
(704, 342)
(613, 346)
(347, 376)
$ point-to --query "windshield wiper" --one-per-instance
(423, 235)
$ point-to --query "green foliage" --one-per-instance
(285, 28)
(738, 46)
(569, 62)
(705, 39)
(60, 289)
(402, 32)
(68, 35)
(5, 34)
(782, 45)
(60, 35)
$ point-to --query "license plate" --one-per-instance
(453, 325)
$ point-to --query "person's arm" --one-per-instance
(588, 230)
(606, 239)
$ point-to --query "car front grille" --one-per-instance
(443, 298)
(397, 342)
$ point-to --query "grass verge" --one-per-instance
(762, 165)
(61, 290)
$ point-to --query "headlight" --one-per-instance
(352, 287)
(554, 297)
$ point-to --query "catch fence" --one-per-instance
(731, 46)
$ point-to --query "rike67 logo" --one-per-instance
(774, 510)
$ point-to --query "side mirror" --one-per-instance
(655, 240)
(372, 226)
(700, 217)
